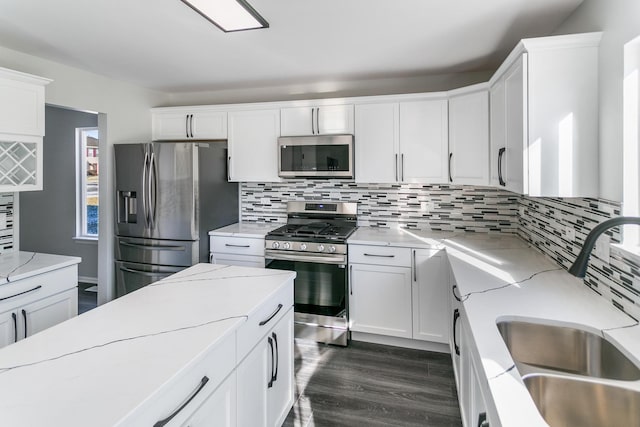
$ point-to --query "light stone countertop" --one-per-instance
(20, 265)
(500, 277)
(256, 230)
(100, 366)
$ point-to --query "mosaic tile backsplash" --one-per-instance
(436, 207)
(540, 221)
(6, 222)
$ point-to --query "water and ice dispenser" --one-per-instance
(127, 207)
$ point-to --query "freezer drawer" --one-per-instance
(131, 276)
(153, 251)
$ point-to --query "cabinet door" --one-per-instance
(424, 141)
(497, 117)
(219, 409)
(515, 107)
(21, 108)
(21, 163)
(380, 300)
(280, 395)
(170, 125)
(469, 138)
(209, 125)
(254, 375)
(318, 120)
(377, 143)
(47, 312)
(8, 328)
(430, 293)
(253, 145)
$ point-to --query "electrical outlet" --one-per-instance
(569, 233)
(603, 247)
(521, 211)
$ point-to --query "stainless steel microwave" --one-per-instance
(320, 156)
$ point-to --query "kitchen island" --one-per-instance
(198, 336)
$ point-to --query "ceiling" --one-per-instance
(164, 45)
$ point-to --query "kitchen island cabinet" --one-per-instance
(37, 291)
(137, 360)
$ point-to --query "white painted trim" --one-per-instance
(86, 240)
(400, 342)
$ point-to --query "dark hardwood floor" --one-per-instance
(86, 299)
(372, 385)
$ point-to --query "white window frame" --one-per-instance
(81, 188)
(631, 147)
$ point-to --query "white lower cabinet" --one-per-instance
(380, 300)
(36, 303)
(242, 251)
(429, 296)
(399, 292)
(265, 378)
(219, 409)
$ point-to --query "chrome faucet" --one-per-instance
(579, 267)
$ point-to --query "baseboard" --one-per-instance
(86, 279)
(400, 342)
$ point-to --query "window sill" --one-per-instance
(627, 251)
(86, 240)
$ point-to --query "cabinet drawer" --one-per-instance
(241, 260)
(380, 255)
(237, 245)
(263, 319)
(37, 287)
(216, 365)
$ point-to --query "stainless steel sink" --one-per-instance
(566, 401)
(567, 350)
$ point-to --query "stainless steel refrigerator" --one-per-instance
(168, 196)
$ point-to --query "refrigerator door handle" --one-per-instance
(153, 183)
(154, 247)
(145, 208)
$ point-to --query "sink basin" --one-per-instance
(566, 401)
(567, 350)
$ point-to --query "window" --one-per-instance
(87, 183)
(631, 146)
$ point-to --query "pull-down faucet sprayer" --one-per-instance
(579, 267)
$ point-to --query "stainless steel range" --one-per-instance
(313, 244)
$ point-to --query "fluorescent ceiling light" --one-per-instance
(229, 15)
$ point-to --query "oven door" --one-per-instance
(320, 294)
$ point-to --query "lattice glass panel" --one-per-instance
(18, 163)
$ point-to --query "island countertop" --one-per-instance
(98, 368)
(20, 265)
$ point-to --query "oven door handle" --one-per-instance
(340, 260)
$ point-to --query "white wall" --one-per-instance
(124, 117)
(620, 22)
(331, 89)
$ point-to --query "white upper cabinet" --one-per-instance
(317, 120)
(377, 142)
(177, 124)
(424, 141)
(21, 130)
(402, 141)
(469, 137)
(544, 117)
(21, 103)
(253, 145)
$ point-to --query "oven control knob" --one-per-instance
(303, 247)
(320, 248)
(275, 245)
(332, 249)
(286, 245)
